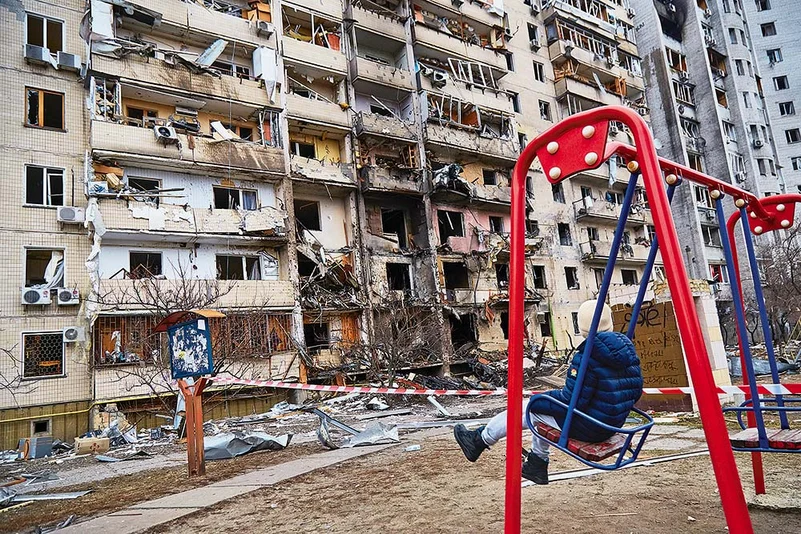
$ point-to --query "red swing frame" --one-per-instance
(585, 136)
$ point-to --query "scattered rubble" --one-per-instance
(232, 444)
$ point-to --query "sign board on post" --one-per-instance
(658, 344)
(190, 349)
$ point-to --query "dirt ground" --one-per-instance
(436, 490)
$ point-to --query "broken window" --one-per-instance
(42, 354)
(45, 32)
(685, 93)
(310, 27)
(558, 193)
(711, 236)
(144, 264)
(571, 278)
(145, 185)
(463, 330)
(126, 339)
(545, 324)
(227, 198)
(545, 110)
(496, 224)
(44, 268)
(145, 118)
(44, 186)
(538, 273)
(45, 109)
(473, 74)
(574, 317)
(398, 277)
(489, 177)
(629, 277)
(451, 224)
(306, 266)
(317, 337)
(307, 214)
(305, 150)
(718, 273)
(565, 239)
(502, 275)
(592, 233)
(394, 222)
(238, 268)
(676, 60)
(515, 98)
(539, 71)
(532, 228)
(505, 324)
(231, 69)
(599, 277)
(456, 275)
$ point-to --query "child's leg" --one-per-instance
(539, 446)
(496, 428)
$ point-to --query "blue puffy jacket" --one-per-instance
(612, 385)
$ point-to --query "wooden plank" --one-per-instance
(593, 452)
(786, 439)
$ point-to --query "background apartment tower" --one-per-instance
(774, 36)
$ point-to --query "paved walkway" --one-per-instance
(152, 513)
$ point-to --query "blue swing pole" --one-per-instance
(646, 273)
(602, 292)
(739, 313)
(763, 314)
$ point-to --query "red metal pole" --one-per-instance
(514, 399)
(756, 457)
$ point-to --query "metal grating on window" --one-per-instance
(42, 355)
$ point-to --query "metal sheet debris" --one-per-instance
(232, 444)
(375, 434)
(440, 408)
(51, 496)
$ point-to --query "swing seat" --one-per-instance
(594, 452)
(777, 439)
(622, 445)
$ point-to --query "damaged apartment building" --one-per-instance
(313, 170)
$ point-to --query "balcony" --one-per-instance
(603, 211)
(395, 179)
(318, 171)
(315, 56)
(599, 251)
(467, 9)
(243, 294)
(178, 17)
(135, 145)
(606, 69)
(174, 223)
(497, 101)
(136, 69)
(388, 27)
(557, 7)
(569, 86)
(382, 126)
(454, 46)
(371, 71)
(469, 142)
(317, 112)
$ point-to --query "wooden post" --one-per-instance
(193, 397)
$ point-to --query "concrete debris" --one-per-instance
(230, 445)
(440, 408)
(377, 404)
(412, 448)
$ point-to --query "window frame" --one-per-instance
(786, 109)
(784, 79)
(797, 136)
(46, 189)
(240, 191)
(41, 114)
(24, 269)
(60, 335)
(244, 258)
(45, 18)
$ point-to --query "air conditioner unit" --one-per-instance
(71, 334)
(68, 297)
(681, 109)
(642, 111)
(534, 45)
(758, 143)
(37, 55)
(165, 134)
(185, 112)
(710, 215)
(684, 76)
(70, 214)
(671, 8)
(264, 28)
(69, 62)
(535, 7)
(739, 176)
(34, 296)
(707, 13)
(541, 318)
(631, 13)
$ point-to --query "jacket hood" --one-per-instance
(613, 349)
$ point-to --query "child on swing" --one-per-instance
(612, 385)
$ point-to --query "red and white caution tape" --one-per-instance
(764, 389)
